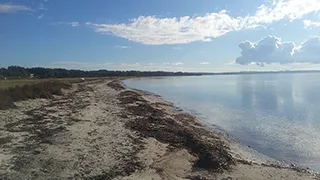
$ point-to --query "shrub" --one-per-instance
(45, 89)
(5, 100)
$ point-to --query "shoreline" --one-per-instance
(103, 130)
(246, 151)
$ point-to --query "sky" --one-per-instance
(169, 35)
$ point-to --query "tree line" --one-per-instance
(41, 72)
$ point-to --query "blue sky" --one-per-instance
(207, 35)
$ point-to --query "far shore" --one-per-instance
(103, 130)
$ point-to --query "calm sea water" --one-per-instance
(276, 114)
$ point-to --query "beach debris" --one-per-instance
(116, 85)
(153, 122)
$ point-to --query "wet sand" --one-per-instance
(101, 130)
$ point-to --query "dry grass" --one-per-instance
(77, 80)
(13, 90)
(43, 89)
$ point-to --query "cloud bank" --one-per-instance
(180, 30)
(174, 63)
(272, 49)
(10, 8)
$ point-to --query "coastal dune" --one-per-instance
(103, 130)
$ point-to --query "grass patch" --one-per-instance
(77, 80)
(43, 89)
(4, 84)
(9, 83)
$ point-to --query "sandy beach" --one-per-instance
(101, 130)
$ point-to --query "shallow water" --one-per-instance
(276, 114)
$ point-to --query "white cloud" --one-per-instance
(179, 30)
(130, 65)
(69, 62)
(122, 47)
(41, 16)
(308, 51)
(155, 31)
(310, 24)
(204, 63)
(272, 49)
(206, 40)
(80, 65)
(42, 7)
(174, 64)
(177, 48)
(177, 64)
(73, 24)
(10, 8)
(285, 9)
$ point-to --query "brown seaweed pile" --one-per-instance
(152, 122)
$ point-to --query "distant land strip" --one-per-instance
(41, 72)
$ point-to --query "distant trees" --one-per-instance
(40, 72)
(14, 71)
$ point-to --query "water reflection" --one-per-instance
(247, 93)
(290, 133)
(267, 93)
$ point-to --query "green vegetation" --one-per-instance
(77, 80)
(45, 73)
(18, 76)
(12, 90)
(9, 83)
(4, 84)
(19, 83)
